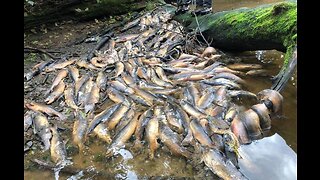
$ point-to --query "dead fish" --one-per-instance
(222, 82)
(130, 25)
(263, 113)
(244, 67)
(42, 128)
(80, 126)
(172, 119)
(155, 79)
(46, 109)
(166, 91)
(152, 134)
(199, 133)
(142, 73)
(126, 37)
(228, 70)
(101, 62)
(84, 64)
(129, 115)
(148, 96)
(250, 120)
(28, 119)
(171, 140)
(230, 76)
(258, 72)
(231, 113)
(128, 79)
(59, 65)
(142, 123)
(92, 98)
(114, 119)
(272, 96)
(102, 116)
(70, 97)
(208, 52)
(74, 73)
(60, 76)
(121, 87)
(195, 77)
(221, 96)
(117, 97)
(78, 84)
(217, 163)
(206, 99)
(122, 137)
(57, 148)
(119, 68)
(162, 75)
(239, 130)
(101, 81)
(194, 93)
(191, 110)
(56, 93)
(36, 70)
(84, 92)
(103, 133)
(242, 94)
(140, 100)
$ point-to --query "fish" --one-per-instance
(208, 52)
(222, 82)
(142, 123)
(239, 130)
(250, 120)
(218, 164)
(130, 25)
(60, 76)
(166, 91)
(258, 72)
(117, 97)
(57, 149)
(171, 140)
(42, 129)
(119, 68)
(84, 64)
(195, 77)
(142, 73)
(70, 97)
(78, 85)
(56, 93)
(230, 76)
(114, 119)
(162, 75)
(148, 96)
(84, 92)
(191, 110)
(194, 93)
(128, 79)
(102, 116)
(264, 117)
(61, 65)
(80, 126)
(231, 113)
(173, 121)
(126, 37)
(244, 67)
(101, 81)
(92, 98)
(140, 100)
(242, 94)
(45, 109)
(221, 96)
(155, 79)
(102, 132)
(199, 133)
(226, 69)
(36, 70)
(206, 99)
(131, 113)
(74, 73)
(272, 96)
(152, 134)
(121, 87)
(122, 137)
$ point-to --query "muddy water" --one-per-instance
(222, 5)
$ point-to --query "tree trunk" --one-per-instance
(88, 10)
(272, 26)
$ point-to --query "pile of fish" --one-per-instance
(144, 91)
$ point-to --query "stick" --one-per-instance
(31, 49)
(200, 29)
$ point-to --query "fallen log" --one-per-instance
(271, 26)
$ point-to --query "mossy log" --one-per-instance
(79, 10)
(272, 26)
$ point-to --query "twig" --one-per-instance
(200, 29)
(31, 49)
